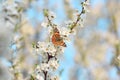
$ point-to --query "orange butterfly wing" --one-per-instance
(56, 39)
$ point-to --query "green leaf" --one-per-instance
(33, 45)
(32, 78)
(45, 11)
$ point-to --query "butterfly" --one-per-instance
(57, 39)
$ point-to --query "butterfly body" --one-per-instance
(57, 39)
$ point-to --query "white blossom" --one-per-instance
(44, 67)
(65, 31)
(44, 24)
(52, 54)
(60, 50)
(37, 69)
(85, 5)
(55, 78)
(52, 15)
(46, 47)
(53, 64)
(50, 48)
(39, 77)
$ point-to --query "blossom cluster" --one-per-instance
(48, 50)
(11, 13)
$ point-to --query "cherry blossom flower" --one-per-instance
(44, 67)
(39, 77)
(52, 15)
(53, 64)
(46, 47)
(55, 78)
(44, 24)
(64, 31)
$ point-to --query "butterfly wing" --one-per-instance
(57, 40)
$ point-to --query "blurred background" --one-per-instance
(92, 54)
